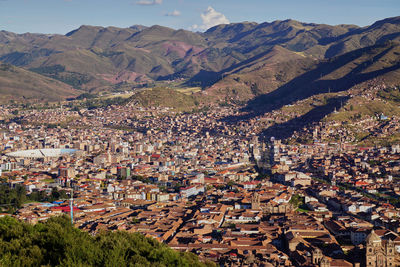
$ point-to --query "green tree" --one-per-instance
(12, 198)
(57, 243)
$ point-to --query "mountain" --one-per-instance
(97, 58)
(17, 83)
(303, 77)
(91, 56)
(252, 38)
(317, 40)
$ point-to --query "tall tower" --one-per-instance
(255, 201)
(71, 206)
(390, 253)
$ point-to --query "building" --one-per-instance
(379, 253)
(123, 172)
(192, 191)
(255, 202)
(66, 172)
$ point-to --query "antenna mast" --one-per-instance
(71, 205)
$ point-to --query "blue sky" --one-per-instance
(62, 16)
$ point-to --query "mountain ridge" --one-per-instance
(88, 56)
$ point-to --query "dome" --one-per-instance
(373, 238)
(317, 250)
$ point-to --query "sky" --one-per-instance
(62, 16)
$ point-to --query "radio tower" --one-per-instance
(71, 205)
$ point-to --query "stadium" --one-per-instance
(42, 153)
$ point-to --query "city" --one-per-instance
(197, 183)
(199, 133)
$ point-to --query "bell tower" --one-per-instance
(390, 253)
(316, 256)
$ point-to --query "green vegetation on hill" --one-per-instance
(358, 108)
(57, 243)
(92, 103)
(17, 83)
(58, 72)
(391, 94)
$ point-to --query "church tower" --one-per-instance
(318, 259)
(373, 245)
(379, 253)
(390, 253)
(316, 256)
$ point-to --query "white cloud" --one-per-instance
(210, 18)
(149, 2)
(175, 13)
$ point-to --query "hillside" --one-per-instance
(91, 57)
(259, 76)
(353, 91)
(57, 243)
(17, 83)
(281, 83)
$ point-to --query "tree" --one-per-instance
(57, 243)
(12, 198)
(230, 183)
(297, 200)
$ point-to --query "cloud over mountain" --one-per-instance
(149, 2)
(175, 13)
(210, 18)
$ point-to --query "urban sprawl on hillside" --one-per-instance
(202, 183)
